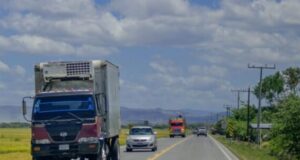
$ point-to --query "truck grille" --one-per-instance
(69, 131)
(78, 68)
(177, 130)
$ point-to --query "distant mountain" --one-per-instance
(159, 115)
(128, 115)
(11, 114)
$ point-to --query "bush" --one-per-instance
(286, 130)
(14, 125)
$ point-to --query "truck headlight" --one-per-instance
(88, 140)
(42, 141)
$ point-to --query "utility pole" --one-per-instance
(259, 98)
(227, 110)
(248, 104)
(248, 113)
(238, 95)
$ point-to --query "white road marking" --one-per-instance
(223, 149)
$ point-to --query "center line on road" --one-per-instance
(162, 152)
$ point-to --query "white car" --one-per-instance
(141, 137)
(202, 131)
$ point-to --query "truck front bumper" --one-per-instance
(64, 150)
(177, 133)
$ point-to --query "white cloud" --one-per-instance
(19, 70)
(4, 67)
(133, 87)
(12, 70)
(236, 33)
(52, 8)
(2, 85)
(239, 31)
(150, 8)
(208, 70)
(194, 85)
(42, 45)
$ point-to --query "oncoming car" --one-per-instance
(141, 137)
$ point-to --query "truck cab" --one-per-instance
(177, 127)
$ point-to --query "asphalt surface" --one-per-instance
(190, 148)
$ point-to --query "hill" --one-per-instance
(128, 115)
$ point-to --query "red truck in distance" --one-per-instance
(177, 126)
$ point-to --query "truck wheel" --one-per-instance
(42, 158)
(95, 157)
(102, 153)
(115, 150)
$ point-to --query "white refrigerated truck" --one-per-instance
(76, 111)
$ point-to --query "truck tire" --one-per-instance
(95, 157)
(115, 149)
(42, 158)
(102, 153)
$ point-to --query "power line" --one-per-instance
(261, 68)
(248, 105)
(238, 91)
(228, 107)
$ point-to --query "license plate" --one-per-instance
(63, 147)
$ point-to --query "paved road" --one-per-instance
(190, 148)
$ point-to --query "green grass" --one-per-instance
(246, 151)
(15, 142)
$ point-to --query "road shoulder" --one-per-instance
(229, 155)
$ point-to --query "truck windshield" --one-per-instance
(49, 107)
(141, 131)
(176, 124)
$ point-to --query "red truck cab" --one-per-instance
(177, 127)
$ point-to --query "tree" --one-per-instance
(242, 113)
(272, 87)
(292, 76)
(286, 128)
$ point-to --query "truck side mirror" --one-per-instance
(24, 108)
(155, 133)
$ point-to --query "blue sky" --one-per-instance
(172, 53)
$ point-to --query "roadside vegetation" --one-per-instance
(15, 144)
(281, 93)
(245, 150)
